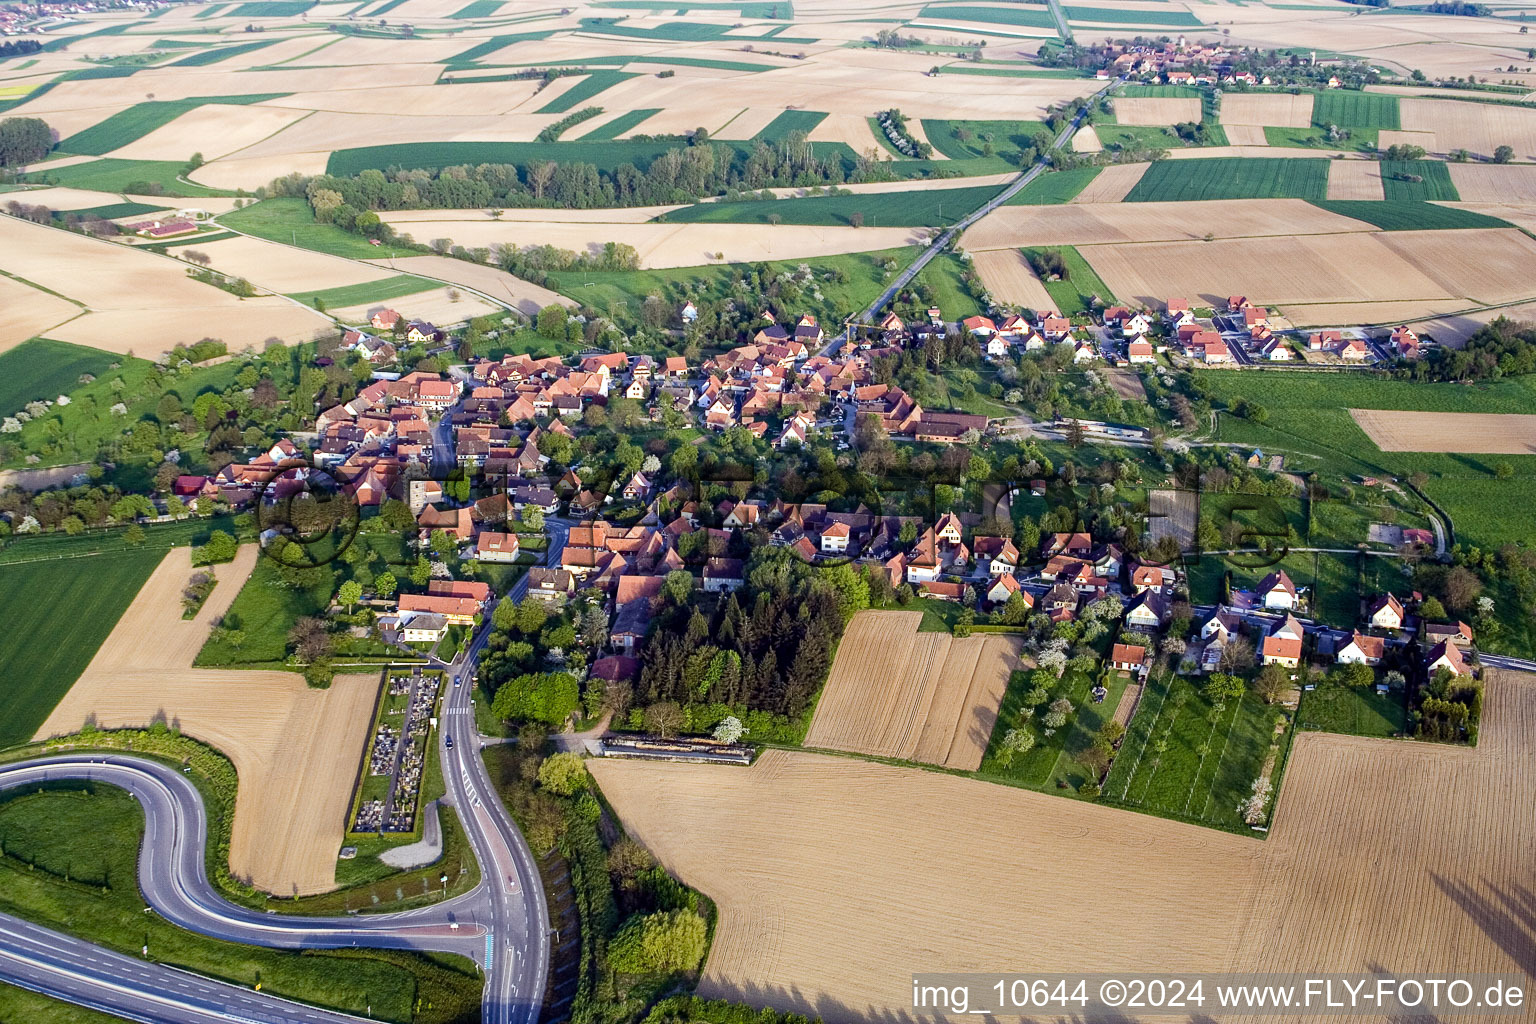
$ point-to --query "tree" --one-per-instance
(531, 616)
(385, 584)
(1015, 742)
(549, 697)
(1221, 688)
(220, 547)
(1272, 683)
(133, 536)
(1431, 608)
(1357, 675)
(665, 942)
(1503, 154)
(564, 774)
(24, 140)
(350, 593)
(729, 730)
(664, 719)
(532, 517)
(311, 639)
(1237, 654)
(551, 321)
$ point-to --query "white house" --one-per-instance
(1387, 612)
(1361, 650)
(1278, 592)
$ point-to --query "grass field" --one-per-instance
(1355, 109)
(19, 1004)
(1053, 758)
(968, 140)
(928, 208)
(592, 84)
(791, 121)
(139, 120)
(1032, 17)
(1409, 214)
(1436, 183)
(1056, 187)
(1074, 294)
(432, 155)
(1182, 758)
(1160, 91)
(1138, 136)
(58, 612)
(41, 369)
(619, 125)
(115, 175)
(943, 275)
(1232, 178)
(1360, 140)
(265, 610)
(289, 219)
(368, 291)
(112, 211)
(70, 862)
(1333, 707)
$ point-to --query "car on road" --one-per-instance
(448, 742)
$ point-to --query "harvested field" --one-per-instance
(443, 306)
(1246, 135)
(852, 129)
(1479, 127)
(748, 123)
(830, 888)
(500, 285)
(253, 172)
(1112, 183)
(282, 268)
(1079, 223)
(1355, 179)
(1127, 384)
(929, 697)
(1483, 433)
(1010, 278)
(296, 749)
(1156, 110)
(1485, 265)
(616, 215)
(1354, 314)
(1086, 140)
(128, 288)
(1280, 109)
(214, 130)
(1494, 183)
(29, 312)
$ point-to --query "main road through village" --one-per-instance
(502, 924)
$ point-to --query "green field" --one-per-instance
(1115, 137)
(756, 9)
(592, 84)
(70, 862)
(791, 121)
(433, 155)
(1053, 187)
(1053, 758)
(671, 31)
(1232, 178)
(969, 140)
(1355, 109)
(466, 58)
(618, 126)
(265, 610)
(930, 208)
(1032, 16)
(1410, 215)
(114, 175)
(1183, 759)
(289, 219)
(1334, 707)
(368, 291)
(112, 211)
(1120, 16)
(1161, 91)
(272, 9)
(19, 1004)
(477, 9)
(139, 120)
(1436, 183)
(205, 57)
(943, 275)
(1073, 295)
(44, 369)
(57, 613)
(1361, 140)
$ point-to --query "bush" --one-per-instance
(564, 774)
(660, 943)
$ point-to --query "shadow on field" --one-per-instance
(1508, 916)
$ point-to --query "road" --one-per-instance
(954, 231)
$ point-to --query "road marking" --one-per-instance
(490, 952)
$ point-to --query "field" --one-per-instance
(969, 140)
(1082, 285)
(43, 369)
(296, 749)
(1478, 127)
(1057, 187)
(1483, 433)
(1232, 178)
(1410, 215)
(829, 872)
(64, 608)
(498, 284)
(1397, 183)
(1494, 183)
(925, 208)
(1010, 279)
(141, 119)
(290, 220)
(1355, 109)
(1113, 184)
(110, 174)
(1082, 223)
(895, 692)
(1355, 179)
(366, 293)
(1280, 109)
(1353, 711)
(1156, 110)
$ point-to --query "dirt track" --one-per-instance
(836, 878)
(296, 749)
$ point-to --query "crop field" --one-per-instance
(896, 692)
(1010, 278)
(589, 86)
(1435, 180)
(1232, 178)
(1075, 294)
(791, 121)
(1184, 758)
(1056, 188)
(115, 175)
(1410, 215)
(370, 291)
(1029, 17)
(1478, 127)
(625, 122)
(289, 219)
(802, 847)
(1123, 16)
(43, 369)
(64, 608)
(203, 58)
(296, 749)
(927, 208)
(1355, 109)
(139, 120)
(1155, 110)
(1112, 185)
(1494, 183)
(1280, 109)
(1491, 433)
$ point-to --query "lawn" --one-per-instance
(1184, 759)
(930, 208)
(1031, 16)
(1410, 215)
(265, 611)
(1054, 187)
(20, 1004)
(618, 126)
(145, 177)
(1435, 183)
(70, 863)
(368, 291)
(593, 83)
(791, 121)
(1232, 178)
(139, 120)
(1333, 707)
(289, 219)
(1074, 294)
(57, 613)
(44, 369)
(1349, 109)
(966, 140)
